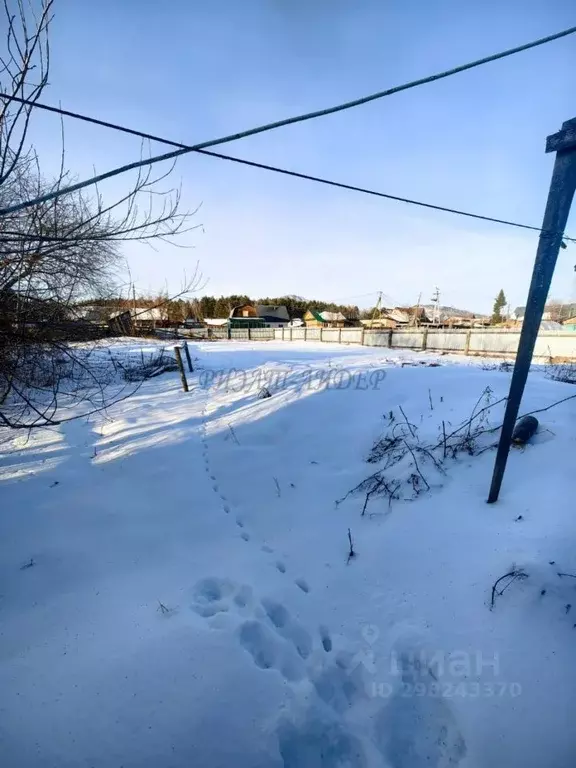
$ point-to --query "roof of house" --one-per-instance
(217, 321)
(519, 312)
(234, 310)
(273, 313)
(316, 315)
(399, 315)
(140, 313)
(550, 325)
(273, 319)
(331, 317)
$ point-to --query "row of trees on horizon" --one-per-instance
(177, 310)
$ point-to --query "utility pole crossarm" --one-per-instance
(564, 140)
(560, 196)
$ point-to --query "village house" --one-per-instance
(245, 316)
(140, 319)
(274, 316)
(324, 319)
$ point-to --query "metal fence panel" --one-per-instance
(376, 338)
(263, 334)
(407, 339)
(556, 344)
(449, 341)
(331, 334)
(496, 343)
(352, 335)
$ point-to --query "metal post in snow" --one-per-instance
(562, 188)
(181, 368)
(188, 357)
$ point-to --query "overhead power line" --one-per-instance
(280, 123)
(297, 175)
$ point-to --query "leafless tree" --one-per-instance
(56, 253)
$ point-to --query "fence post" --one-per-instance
(249, 334)
(390, 332)
(467, 344)
(362, 337)
(339, 335)
(188, 358)
(305, 332)
(560, 195)
(229, 334)
(181, 368)
(290, 333)
(424, 339)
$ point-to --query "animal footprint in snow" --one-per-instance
(281, 646)
(213, 595)
(318, 742)
(418, 731)
(259, 643)
(289, 629)
(303, 585)
(269, 634)
(326, 639)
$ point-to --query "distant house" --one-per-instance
(141, 318)
(569, 324)
(333, 319)
(379, 322)
(245, 316)
(216, 322)
(92, 313)
(192, 322)
(313, 319)
(552, 325)
(324, 319)
(519, 313)
(274, 316)
(400, 315)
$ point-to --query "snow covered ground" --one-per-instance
(176, 590)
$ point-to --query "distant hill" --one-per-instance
(450, 311)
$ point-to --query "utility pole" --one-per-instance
(377, 308)
(562, 188)
(436, 305)
(417, 312)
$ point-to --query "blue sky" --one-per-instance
(195, 70)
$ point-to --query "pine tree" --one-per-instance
(499, 304)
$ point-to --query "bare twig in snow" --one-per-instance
(233, 433)
(514, 574)
(410, 427)
(351, 552)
